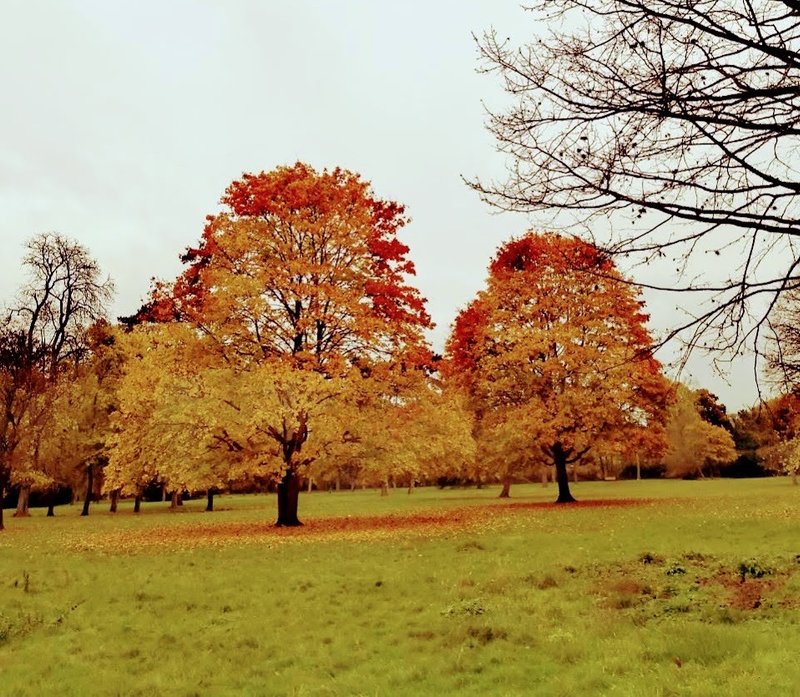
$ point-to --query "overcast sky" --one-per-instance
(123, 122)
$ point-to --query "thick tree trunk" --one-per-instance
(210, 500)
(4, 476)
(180, 498)
(173, 505)
(51, 509)
(411, 485)
(137, 503)
(89, 488)
(22, 502)
(505, 492)
(385, 487)
(114, 499)
(560, 461)
(288, 498)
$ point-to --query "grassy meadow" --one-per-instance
(646, 588)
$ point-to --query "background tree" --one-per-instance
(693, 443)
(674, 122)
(45, 329)
(555, 353)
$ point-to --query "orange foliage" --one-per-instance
(556, 356)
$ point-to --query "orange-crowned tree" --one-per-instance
(555, 355)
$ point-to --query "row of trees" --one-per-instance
(292, 348)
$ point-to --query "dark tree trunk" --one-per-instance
(51, 509)
(22, 502)
(89, 488)
(560, 461)
(180, 498)
(505, 492)
(288, 498)
(114, 498)
(3, 484)
(210, 500)
(137, 503)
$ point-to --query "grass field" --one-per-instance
(657, 588)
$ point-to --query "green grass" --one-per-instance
(638, 600)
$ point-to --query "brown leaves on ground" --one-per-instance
(428, 523)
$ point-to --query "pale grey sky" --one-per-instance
(123, 122)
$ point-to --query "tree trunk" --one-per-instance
(310, 484)
(288, 497)
(180, 498)
(114, 499)
(411, 484)
(51, 509)
(210, 500)
(638, 467)
(385, 487)
(560, 462)
(137, 503)
(173, 505)
(22, 502)
(89, 487)
(505, 492)
(338, 484)
(163, 492)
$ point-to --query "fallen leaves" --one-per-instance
(431, 523)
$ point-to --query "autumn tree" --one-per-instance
(304, 271)
(694, 444)
(45, 330)
(766, 433)
(672, 125)
(555, 354)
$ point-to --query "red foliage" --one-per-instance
(537, 253)
(299, 192)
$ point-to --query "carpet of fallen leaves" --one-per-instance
(354, 528)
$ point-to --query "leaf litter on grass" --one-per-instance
(432, 523)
